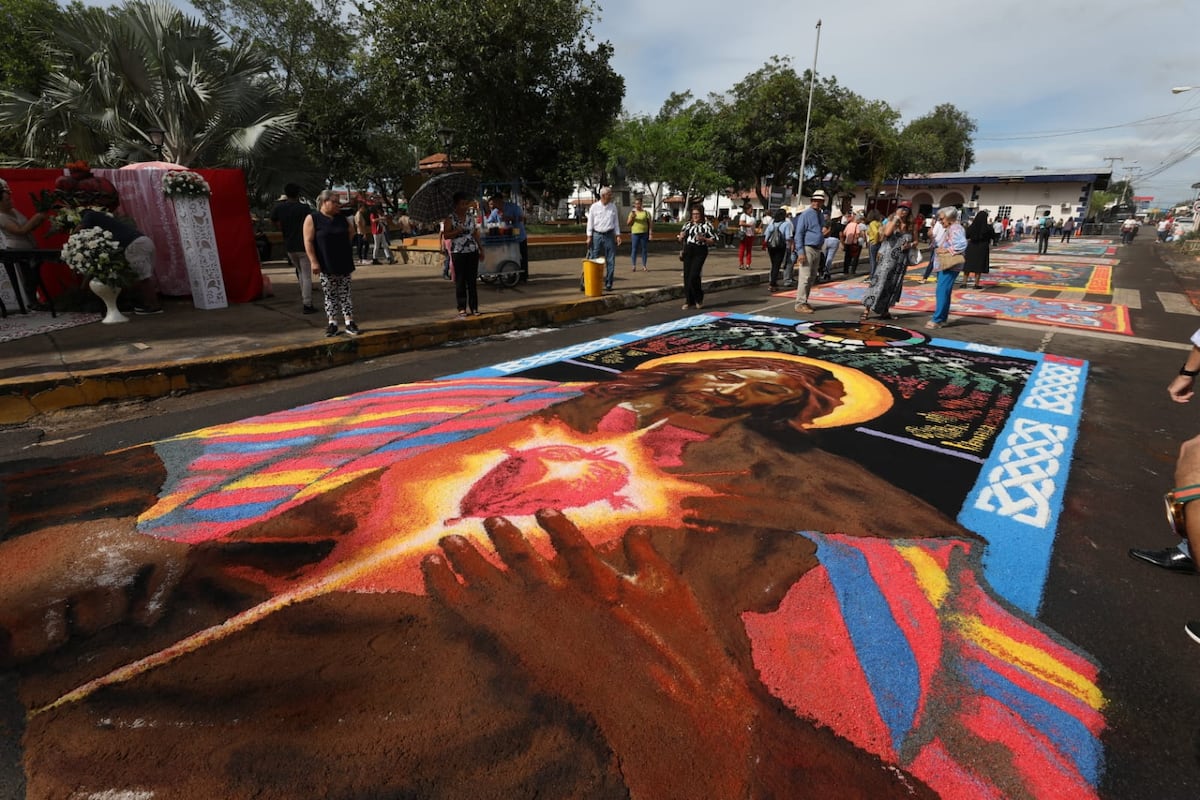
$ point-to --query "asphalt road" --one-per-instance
(1129, 616)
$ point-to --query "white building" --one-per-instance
(1014, 194)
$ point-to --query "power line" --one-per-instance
(1057, 134)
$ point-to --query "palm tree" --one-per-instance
(120, 73)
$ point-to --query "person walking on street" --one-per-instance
(832, 241)
(379, 232)
(935, 231)
(853, 236)
(746, 228)
(640, 227)
(775, 241)
(362, 230)
(978, 254)
(1180, 558)
(404, 229)
(886, 283)
(289, 215)
(697, 235)
(1068, 229)
(461, 232)
(948, 250)
(604, 234)
(806, 242)
(874, 238)
(1045, 224)
(329, 243)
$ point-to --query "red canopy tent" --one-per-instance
(236, 248)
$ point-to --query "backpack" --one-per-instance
(776, 238)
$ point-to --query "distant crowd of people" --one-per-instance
(802, 245)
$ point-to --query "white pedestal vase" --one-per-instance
(109, 295)
(199, 242)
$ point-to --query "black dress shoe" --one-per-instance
(1171, 558)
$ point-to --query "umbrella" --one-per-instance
(435, 199)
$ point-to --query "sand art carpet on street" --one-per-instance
(920, 298)
(1076, 247)
(725, 556)
(1044, 275)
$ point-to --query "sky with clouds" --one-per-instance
(1060, 83)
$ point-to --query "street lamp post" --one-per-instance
(812, 78)
(158, 137)
(447, 136)
(1182, 89)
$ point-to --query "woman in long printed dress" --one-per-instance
(887, 283)
(697, 236)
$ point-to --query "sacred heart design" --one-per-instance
(555, 476)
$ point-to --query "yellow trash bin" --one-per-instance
(593, 277)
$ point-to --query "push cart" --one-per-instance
(501, 257)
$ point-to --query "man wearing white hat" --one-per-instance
(806, 241)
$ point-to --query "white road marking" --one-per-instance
(1130, 298)
(1177, 303)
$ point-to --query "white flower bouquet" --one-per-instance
(178, 183)
(64, 219)
(94, 254)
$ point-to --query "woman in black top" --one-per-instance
(328, 240)
(697, 236)
(979, 242)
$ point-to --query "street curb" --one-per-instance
(21, 399)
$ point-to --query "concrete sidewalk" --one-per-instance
(398, 307)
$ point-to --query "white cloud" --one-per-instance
(1069, 65)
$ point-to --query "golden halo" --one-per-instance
(865, 398)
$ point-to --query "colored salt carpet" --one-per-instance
(920, 299)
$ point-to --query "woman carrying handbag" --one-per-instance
(947, 257)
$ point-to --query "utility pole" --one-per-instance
(812, 78)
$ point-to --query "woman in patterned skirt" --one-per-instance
(328, 241)
(887, 282)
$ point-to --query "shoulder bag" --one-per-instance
(947, 258)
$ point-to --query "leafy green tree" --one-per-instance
(940, 141)
(1100, 201)
(760, 126)
(312, 49)
(522, 83)
(24, 25)
(641, 146)
(694, 162)
(118, 73)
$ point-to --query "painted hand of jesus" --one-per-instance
(636, 652)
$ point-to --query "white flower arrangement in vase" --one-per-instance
(94, 254)
(179, 183)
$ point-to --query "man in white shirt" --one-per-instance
(604, 234)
